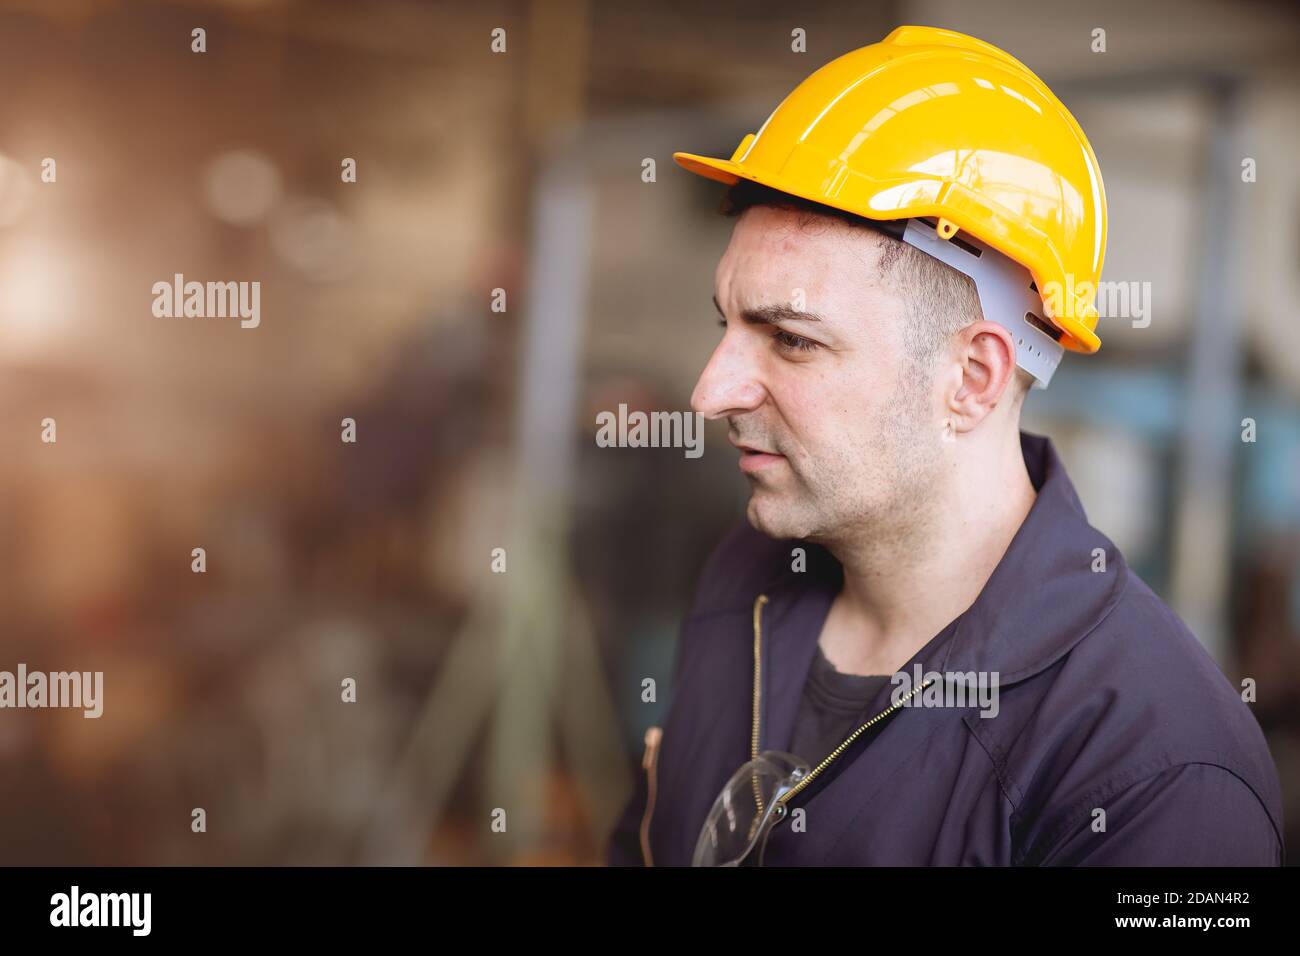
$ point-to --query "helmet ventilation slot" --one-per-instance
(1044, 327)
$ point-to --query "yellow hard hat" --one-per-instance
(934, 123)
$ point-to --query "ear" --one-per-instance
(986, 357)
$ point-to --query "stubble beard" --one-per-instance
(849, 496)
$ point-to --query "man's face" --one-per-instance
(835, 429)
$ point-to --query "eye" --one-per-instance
(789, 342)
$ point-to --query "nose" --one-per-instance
(729, 384)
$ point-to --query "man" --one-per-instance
(919, 651)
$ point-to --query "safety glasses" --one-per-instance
(736, 830)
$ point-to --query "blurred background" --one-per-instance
(521, 171)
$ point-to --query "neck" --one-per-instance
(902, 588)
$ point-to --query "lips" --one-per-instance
(755, 458)
(747, 448)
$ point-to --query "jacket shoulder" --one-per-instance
(1137, 698)
(1191, 705)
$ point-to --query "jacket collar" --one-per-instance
(1058, 579)
(1041, 599)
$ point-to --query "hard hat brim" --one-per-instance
(1079, 335)
(720, 170)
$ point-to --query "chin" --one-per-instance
(775, 519)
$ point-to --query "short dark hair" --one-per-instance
(941, 301)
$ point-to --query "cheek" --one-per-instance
(823, 410)
(842, 419)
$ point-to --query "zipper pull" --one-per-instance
(650, 756)
(650, 764)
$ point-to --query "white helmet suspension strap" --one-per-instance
(1006, 291)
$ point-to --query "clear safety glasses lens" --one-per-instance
(736, 829)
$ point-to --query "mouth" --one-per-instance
(753, 459)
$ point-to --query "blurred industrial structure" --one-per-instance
(521, 171)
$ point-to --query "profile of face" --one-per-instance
(837, 432)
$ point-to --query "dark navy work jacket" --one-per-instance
(1117, 739)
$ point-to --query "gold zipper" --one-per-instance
(758, 693)
(844, 745)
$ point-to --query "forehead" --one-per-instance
(773, 252)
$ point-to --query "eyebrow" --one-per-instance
(771, 314)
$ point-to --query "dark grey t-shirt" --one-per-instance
(832, 707)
